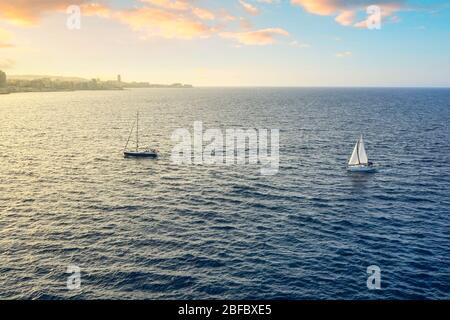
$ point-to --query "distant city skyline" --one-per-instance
(229, 43)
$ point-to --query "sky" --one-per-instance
(230, 42)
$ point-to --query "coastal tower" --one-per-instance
(2, 79)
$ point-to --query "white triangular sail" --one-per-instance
(359, 155)
(362, 152)
(354, 160)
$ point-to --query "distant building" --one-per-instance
(2, 79)
(119, 78)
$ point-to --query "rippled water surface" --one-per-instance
(149, 229)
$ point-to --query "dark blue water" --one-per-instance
(149, 229)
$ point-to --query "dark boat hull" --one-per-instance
(131, 154)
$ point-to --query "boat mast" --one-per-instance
(357, 150)
(129, 137)
(137, 131)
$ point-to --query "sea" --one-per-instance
(79, 221)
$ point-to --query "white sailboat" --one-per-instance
(138, 153)
(359, 161)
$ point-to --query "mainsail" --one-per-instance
(362, 152)
(359, 155)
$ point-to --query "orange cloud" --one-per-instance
(203, 14)
(165, 18)
(181, 5)
(28, 12)
(174, 19)
(157, 22)
(225, 16)
(245, 24)
(345, 18)
(258, 37)
(95, 9)
(249, 8)
(321, 7)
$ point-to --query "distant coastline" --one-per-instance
(36, 83)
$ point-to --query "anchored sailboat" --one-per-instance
(359, 160)
(137, 153)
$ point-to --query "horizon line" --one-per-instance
(239, 86)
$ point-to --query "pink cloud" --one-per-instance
(203, 14)
(346, 18)
(321, 7)
(249, 8)
(346, 10)
(259, 37)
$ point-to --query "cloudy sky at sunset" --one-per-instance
(231, 42)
